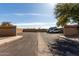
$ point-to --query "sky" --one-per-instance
(28, 14)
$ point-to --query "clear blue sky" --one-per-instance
(27, 13)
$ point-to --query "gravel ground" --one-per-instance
(32, 44)
(68, 46)
(51, 37)
(26, 46)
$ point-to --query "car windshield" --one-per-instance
(51, 28)
(56, 29)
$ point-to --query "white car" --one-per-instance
(54, 30)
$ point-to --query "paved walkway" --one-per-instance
(5, 40)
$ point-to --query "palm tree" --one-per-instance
(65, 12)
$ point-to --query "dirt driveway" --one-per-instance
(31, 44)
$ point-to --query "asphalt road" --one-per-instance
(32, 44)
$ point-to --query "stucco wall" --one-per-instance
(34, 30)
(7, 31)
(71, 30)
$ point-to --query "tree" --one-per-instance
(65, 12)
(6, 24)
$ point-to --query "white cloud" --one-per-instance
(35, 25)
(26, 14)
(33, 14)
(22, 14)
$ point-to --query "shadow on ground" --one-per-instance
(65, 47)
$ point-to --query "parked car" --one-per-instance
(55, 30)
